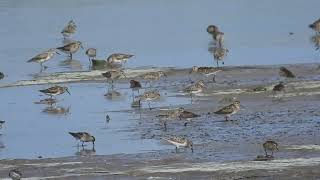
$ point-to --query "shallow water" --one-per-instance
(166, 33)
(163, 33)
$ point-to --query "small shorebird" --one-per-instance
(170, 114)
(187, 115)
(1, 124)
(219, 53)
(135, 86)
(83, 137)
(118, 58)
(195, 88)
(229, 110)
(71, 48)
(153, 76)
(148, 96)
(1, 75)
(207, 71)
(315, 26)
(179, 141)
(316, 40)
(113, 75)
(286, 73)
(15, 174)
(217, 35)
(55, 90)
(44, 56)
(69, 29)
(279, 87)
(91, 53)
(270, 145)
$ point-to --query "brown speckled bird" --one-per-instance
(71, 48)
(219, 53)
(229, 110)
(179, 141)
(69, 29)
(207, 71)
(119, 58)
(270, 145)
(83, 137)
(279, 87)
(286, 73)
(55, 90)
(315, 26)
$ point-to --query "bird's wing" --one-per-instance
(38, 57)
(225, 110)
(53, 89)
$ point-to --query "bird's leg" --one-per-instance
(265, 150)
(191, 98)
(226, 118)
(132, 96)
(214, 79)
(70, 56)
(82, 144)
(272, 153)
(149, 105)
(165, 125)
(217, 63)
(176, 149)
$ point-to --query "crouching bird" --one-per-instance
(83, 137)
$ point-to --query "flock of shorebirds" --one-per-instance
(219, 52)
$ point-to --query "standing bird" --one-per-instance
(135, 86)
(207, 71)
(315, 26)
(170, 114)
(83, 137)
(1, 75)
(153, 76)
(15, 174)
(187, 115)
(71, 48)
(118, 58)
(219, 53)
(279, 87)
(69, 29)
(270, 145)
(113, 75)
(229, 110)
(286, 73)
(44, 56)
(1, 124)
(217, 35)
(195, 88)
(149, 96)
(91, 53)
(55, 90)
(179, 141)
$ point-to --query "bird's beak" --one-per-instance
(57, 52)
(68, 91)
(192, 149)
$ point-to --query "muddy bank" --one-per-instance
(222, 150)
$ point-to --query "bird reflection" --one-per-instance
(85, 152)
(71, 63)
(56, 110)
(113, 94)
(48, 101)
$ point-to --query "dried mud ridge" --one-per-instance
(223, 150)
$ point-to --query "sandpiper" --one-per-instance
(207, 71)
(91, 53)
(153, 76)
(219, 53)
(1, 124)
(315, 26)
(69, 29)
(187, 115)
(279, 87)
(316, 40)
(113, 75)
(286, 73)
(148, 96)
(179, 141)
(55, 90)
(15, 174)
(270, 145)
(71, 48)
(119, 58)
(83, 137)
(170, 114)
(229, 110)
(217, 35)
(195, 88)
(135, 86)
(44, 56)
(1, 75)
